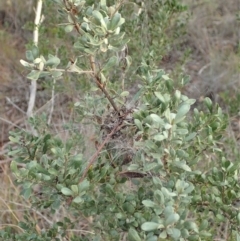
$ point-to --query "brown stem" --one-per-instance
(93, 65)
(92, 60)
(117, 8)
(107, 95)
(100, 85)
(95, 155)
(71, 9)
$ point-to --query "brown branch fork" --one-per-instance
(95, 155)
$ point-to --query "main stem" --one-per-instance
(94, 157)
(100, 85)
(92, 59)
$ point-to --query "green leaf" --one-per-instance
(14, 166)
(114, 21)
(177, 94)
(174, 233)
(14, 139)
(14, 152)
(182, 111)
(103, 4)
(78, 199)
(69, 28)
(56, 74)
(168, 115)
(53, 171)
(104, 47)
(133, 167)
(35, 51)
(83, 186)
(150, 166)
(66, 191)
(163, 235)
(185, 80)
(44, 74)
(191, 226)
(124, 93)
(168, 194)
(74, 189)
(27, 192)
(190, 136)
(238, 217)
(205, 233)
(165, 77)
(133, 235)
(98, 16)
(157, 119)
(148, 203)
(238, 236)
(150, 226)
(182, 131)
(53, 61)
(34, 75)
(185, 233)
(182, 165)
(159, 137)
(26, 64)
(138, 123)
(103, 78)
(190, 101)
(128, 60)
(37, 61)
(129, 207)
(46, 177)
(160, 96)
(152, 238)
(29, 56)
(167, 126)
(112, 62)
(182, 154)
(208, 103)
(85, 27)
(204, 225)
(159, 197)
(171, 219)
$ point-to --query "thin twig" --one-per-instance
(10, 225)
(69, 70)
(45, 107)
(72, 12)
(11, 123)
(14, 105)
(102, 88)
(118, 7)
(203, 68)
(94, 157)
(10, 209)
(93, 65)
(52, 102)
(31, 208)
(79, 230)
(69, 7)
(100, 85)
(5, 161)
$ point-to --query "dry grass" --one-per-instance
(213, 36)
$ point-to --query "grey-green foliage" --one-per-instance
(161, 176)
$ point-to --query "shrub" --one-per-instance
(155, 170)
